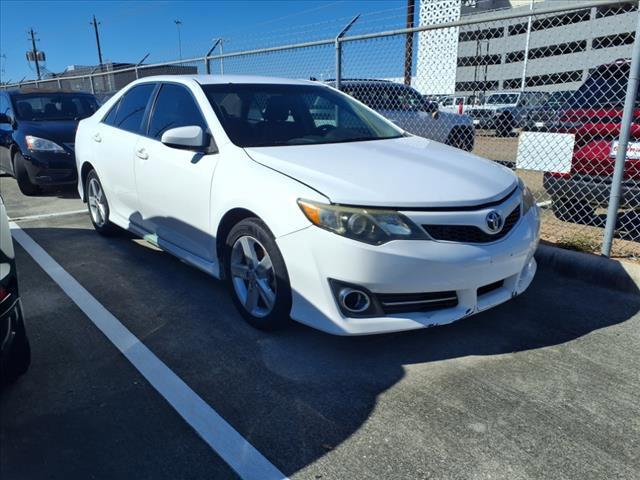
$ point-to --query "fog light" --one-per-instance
(354, 301)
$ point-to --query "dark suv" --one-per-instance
(594, 116)
(37, 133)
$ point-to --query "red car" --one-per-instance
(594, 115)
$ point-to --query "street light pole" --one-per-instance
(178, 25)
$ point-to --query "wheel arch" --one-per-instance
(13, 149)
(84, 172)
(227, 222)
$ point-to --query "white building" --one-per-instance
(489, 56)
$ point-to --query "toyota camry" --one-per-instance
(307, 203)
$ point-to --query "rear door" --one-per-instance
(114, 140)
(174, 185)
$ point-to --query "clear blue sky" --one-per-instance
(131, 29)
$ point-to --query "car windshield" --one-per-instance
(607, 86)
(261, 115)
(502, 99)
(386, 97)
(54, 106)
(559, 98)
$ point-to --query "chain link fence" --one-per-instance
(539, 89)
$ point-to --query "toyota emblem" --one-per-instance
(494, 221)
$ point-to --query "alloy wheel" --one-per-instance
(97, 203)
(253, 276)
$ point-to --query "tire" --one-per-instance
(26, 186)
(504, 127)
(98, 209)
(19, 356)
(571, 209)
(462, 138)
(249, 276)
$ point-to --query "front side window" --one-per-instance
(40, 107)
(502, 99)
(133, 104)
(175, 107)
(255, 115)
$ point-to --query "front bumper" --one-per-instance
(10, 318)
(46, 168)
(592, 189)
(313, 256)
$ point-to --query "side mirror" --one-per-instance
(4, 119)
(191, 138)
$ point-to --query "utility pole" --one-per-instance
(178, 25)
(408, 44)
(3, 61)
(95, 24)
(34, 51)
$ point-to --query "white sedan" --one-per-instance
(307, 203)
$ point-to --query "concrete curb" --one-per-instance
(590, 268)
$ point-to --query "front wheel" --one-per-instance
(98, 205)
(256, 275)
(26, 186)
(18, 358)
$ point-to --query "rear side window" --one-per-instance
(110, 118)
(175, 107)
(133, 104)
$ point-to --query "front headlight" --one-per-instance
(37, 144)
(373, 226)
(528, 200)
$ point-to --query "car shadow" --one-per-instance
(298, 393)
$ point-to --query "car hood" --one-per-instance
(404, 172)
(59, 131)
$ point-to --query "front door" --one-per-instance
(174, 185)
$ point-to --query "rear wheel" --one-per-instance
(26, 186)
(256, 275)
(98, 205)
(461, 138)
(504, 126)
(572, 209)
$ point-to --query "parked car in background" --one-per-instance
(594, 117)
(505, 112)
(15, 352)
(37, 130)
(459, 104)
(545, 117)
(405, 107)
(307, 203)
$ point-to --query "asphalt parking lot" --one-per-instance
(546, 386)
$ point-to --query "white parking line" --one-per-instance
(47, 215)
(236, 451)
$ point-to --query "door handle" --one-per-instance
(97, 137)
(142, 153)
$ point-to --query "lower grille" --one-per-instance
(490, 288)
(471, 233)
(417, 302)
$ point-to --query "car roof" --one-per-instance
(27, 90)
(226, 79)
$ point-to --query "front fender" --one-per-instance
(240, 182)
